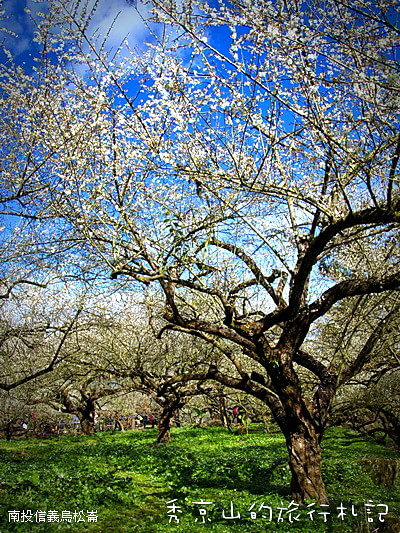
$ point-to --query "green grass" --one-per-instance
(129, 481)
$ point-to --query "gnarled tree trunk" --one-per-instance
(87, 426)
(302, 425)
(86, 412)
(169, 404)
(305, 462)
(164, 425)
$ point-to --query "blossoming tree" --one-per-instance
(228, 161)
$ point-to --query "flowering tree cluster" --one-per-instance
(235, 161)
(170, 371)
(37, 333)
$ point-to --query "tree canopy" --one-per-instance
(244, 161)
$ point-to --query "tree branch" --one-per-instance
(348, 288)
(50, 366)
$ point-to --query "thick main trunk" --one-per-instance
(170, 405)
(302, 424)
(87, 426)
(86, 415)
(305, 462)
(164, 427)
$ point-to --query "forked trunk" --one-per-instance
(305, 462)
(302, 426)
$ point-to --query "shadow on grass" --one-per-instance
(232, 464)
(184, 471)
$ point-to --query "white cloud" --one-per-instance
(16, 27)
(124, 20)
(120, 21)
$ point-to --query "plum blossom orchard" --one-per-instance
(230, 161)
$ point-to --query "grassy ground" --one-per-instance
(127, 482)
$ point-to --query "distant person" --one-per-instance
(238, 416)
(117, 423)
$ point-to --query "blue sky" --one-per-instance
(19, 26)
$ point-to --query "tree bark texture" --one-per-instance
(87, 426)
(305, 462)
(85, 413)
(164, 426)
(302, 426)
